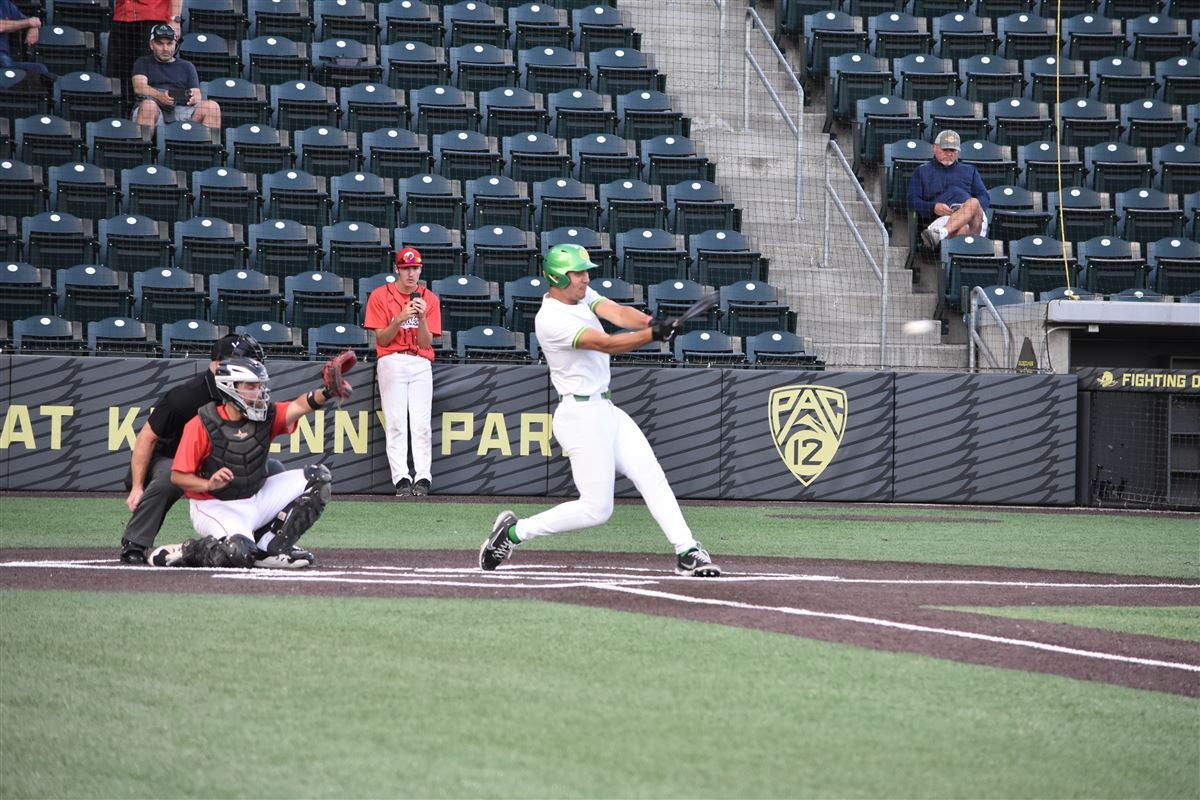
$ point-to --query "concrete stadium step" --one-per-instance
(838, 306)
(917, 357)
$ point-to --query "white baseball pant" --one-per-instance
(602, 440)
(406, 395)
(224, 518)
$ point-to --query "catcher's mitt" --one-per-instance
(331, 376)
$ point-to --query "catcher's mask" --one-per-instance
(564, 258)
(251, 401)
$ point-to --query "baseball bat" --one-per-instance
(699, 307)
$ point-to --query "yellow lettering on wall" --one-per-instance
(276, 448)
(495, 435)
(120, 428)
(312, 429)
(17, 428)
(345, 429)
(457, 426)
(535, 430)
(56, 413)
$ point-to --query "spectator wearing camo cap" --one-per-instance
(948, 194)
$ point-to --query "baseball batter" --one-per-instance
(599, 438)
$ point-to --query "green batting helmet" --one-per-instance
(564, 258)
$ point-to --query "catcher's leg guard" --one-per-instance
(299, 515)
(235, 551)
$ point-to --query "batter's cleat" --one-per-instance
(132, 553)
(420, 488)
(498, 546)
(404, 488)
(169, 555)
(296, 558)
(697, 563)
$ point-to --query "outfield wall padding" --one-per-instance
(68, 425)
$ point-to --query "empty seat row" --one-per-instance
(588, 25)
(939, 88)
(126, 336)
(1103, 265)
(281, 248)
(1020, 35)
(1146, 124)
(85, 190)
(792, 14)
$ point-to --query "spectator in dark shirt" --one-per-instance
(167, 88)
(949, 192)
(132, 21)
(13, 21)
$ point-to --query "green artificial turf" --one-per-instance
(1169, 622)
(150, 695)
(1113, 542)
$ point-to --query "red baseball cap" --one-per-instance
(408, 257)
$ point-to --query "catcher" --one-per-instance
(244, 515)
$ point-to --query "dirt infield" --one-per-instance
(880, 605)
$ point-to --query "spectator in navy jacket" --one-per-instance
(951, 193)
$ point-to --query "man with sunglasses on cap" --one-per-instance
(406, 318)
(167, 87)
(132, 21)
(949, 192)
(151, 493)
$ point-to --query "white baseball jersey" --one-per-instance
(558, 327)
(600, 439)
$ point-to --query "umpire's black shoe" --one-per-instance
(404, 488)
(498, 546)
(421, 488)
(697, 563)
(132, 553)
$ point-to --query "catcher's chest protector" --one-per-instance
(242, 446)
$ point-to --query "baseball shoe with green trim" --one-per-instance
(696, 563)
(498, 547)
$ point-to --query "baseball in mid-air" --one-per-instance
(916, 327)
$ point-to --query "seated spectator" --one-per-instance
(168, 88)
(950, 193)
(11, 21)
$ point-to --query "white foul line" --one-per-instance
(904, 626)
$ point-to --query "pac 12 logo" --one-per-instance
(807, 423)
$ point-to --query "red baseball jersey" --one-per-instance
(386, 302)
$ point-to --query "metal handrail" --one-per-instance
(796, 126)
(720, 4)
(975, 340)
(881, 271)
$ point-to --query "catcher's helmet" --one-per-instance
(408, 257)
(237, 345)
(233, 371)
(564, 258)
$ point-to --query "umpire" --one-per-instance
(151, 493)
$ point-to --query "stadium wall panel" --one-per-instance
(68, 424)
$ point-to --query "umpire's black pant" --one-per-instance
(157, 498)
